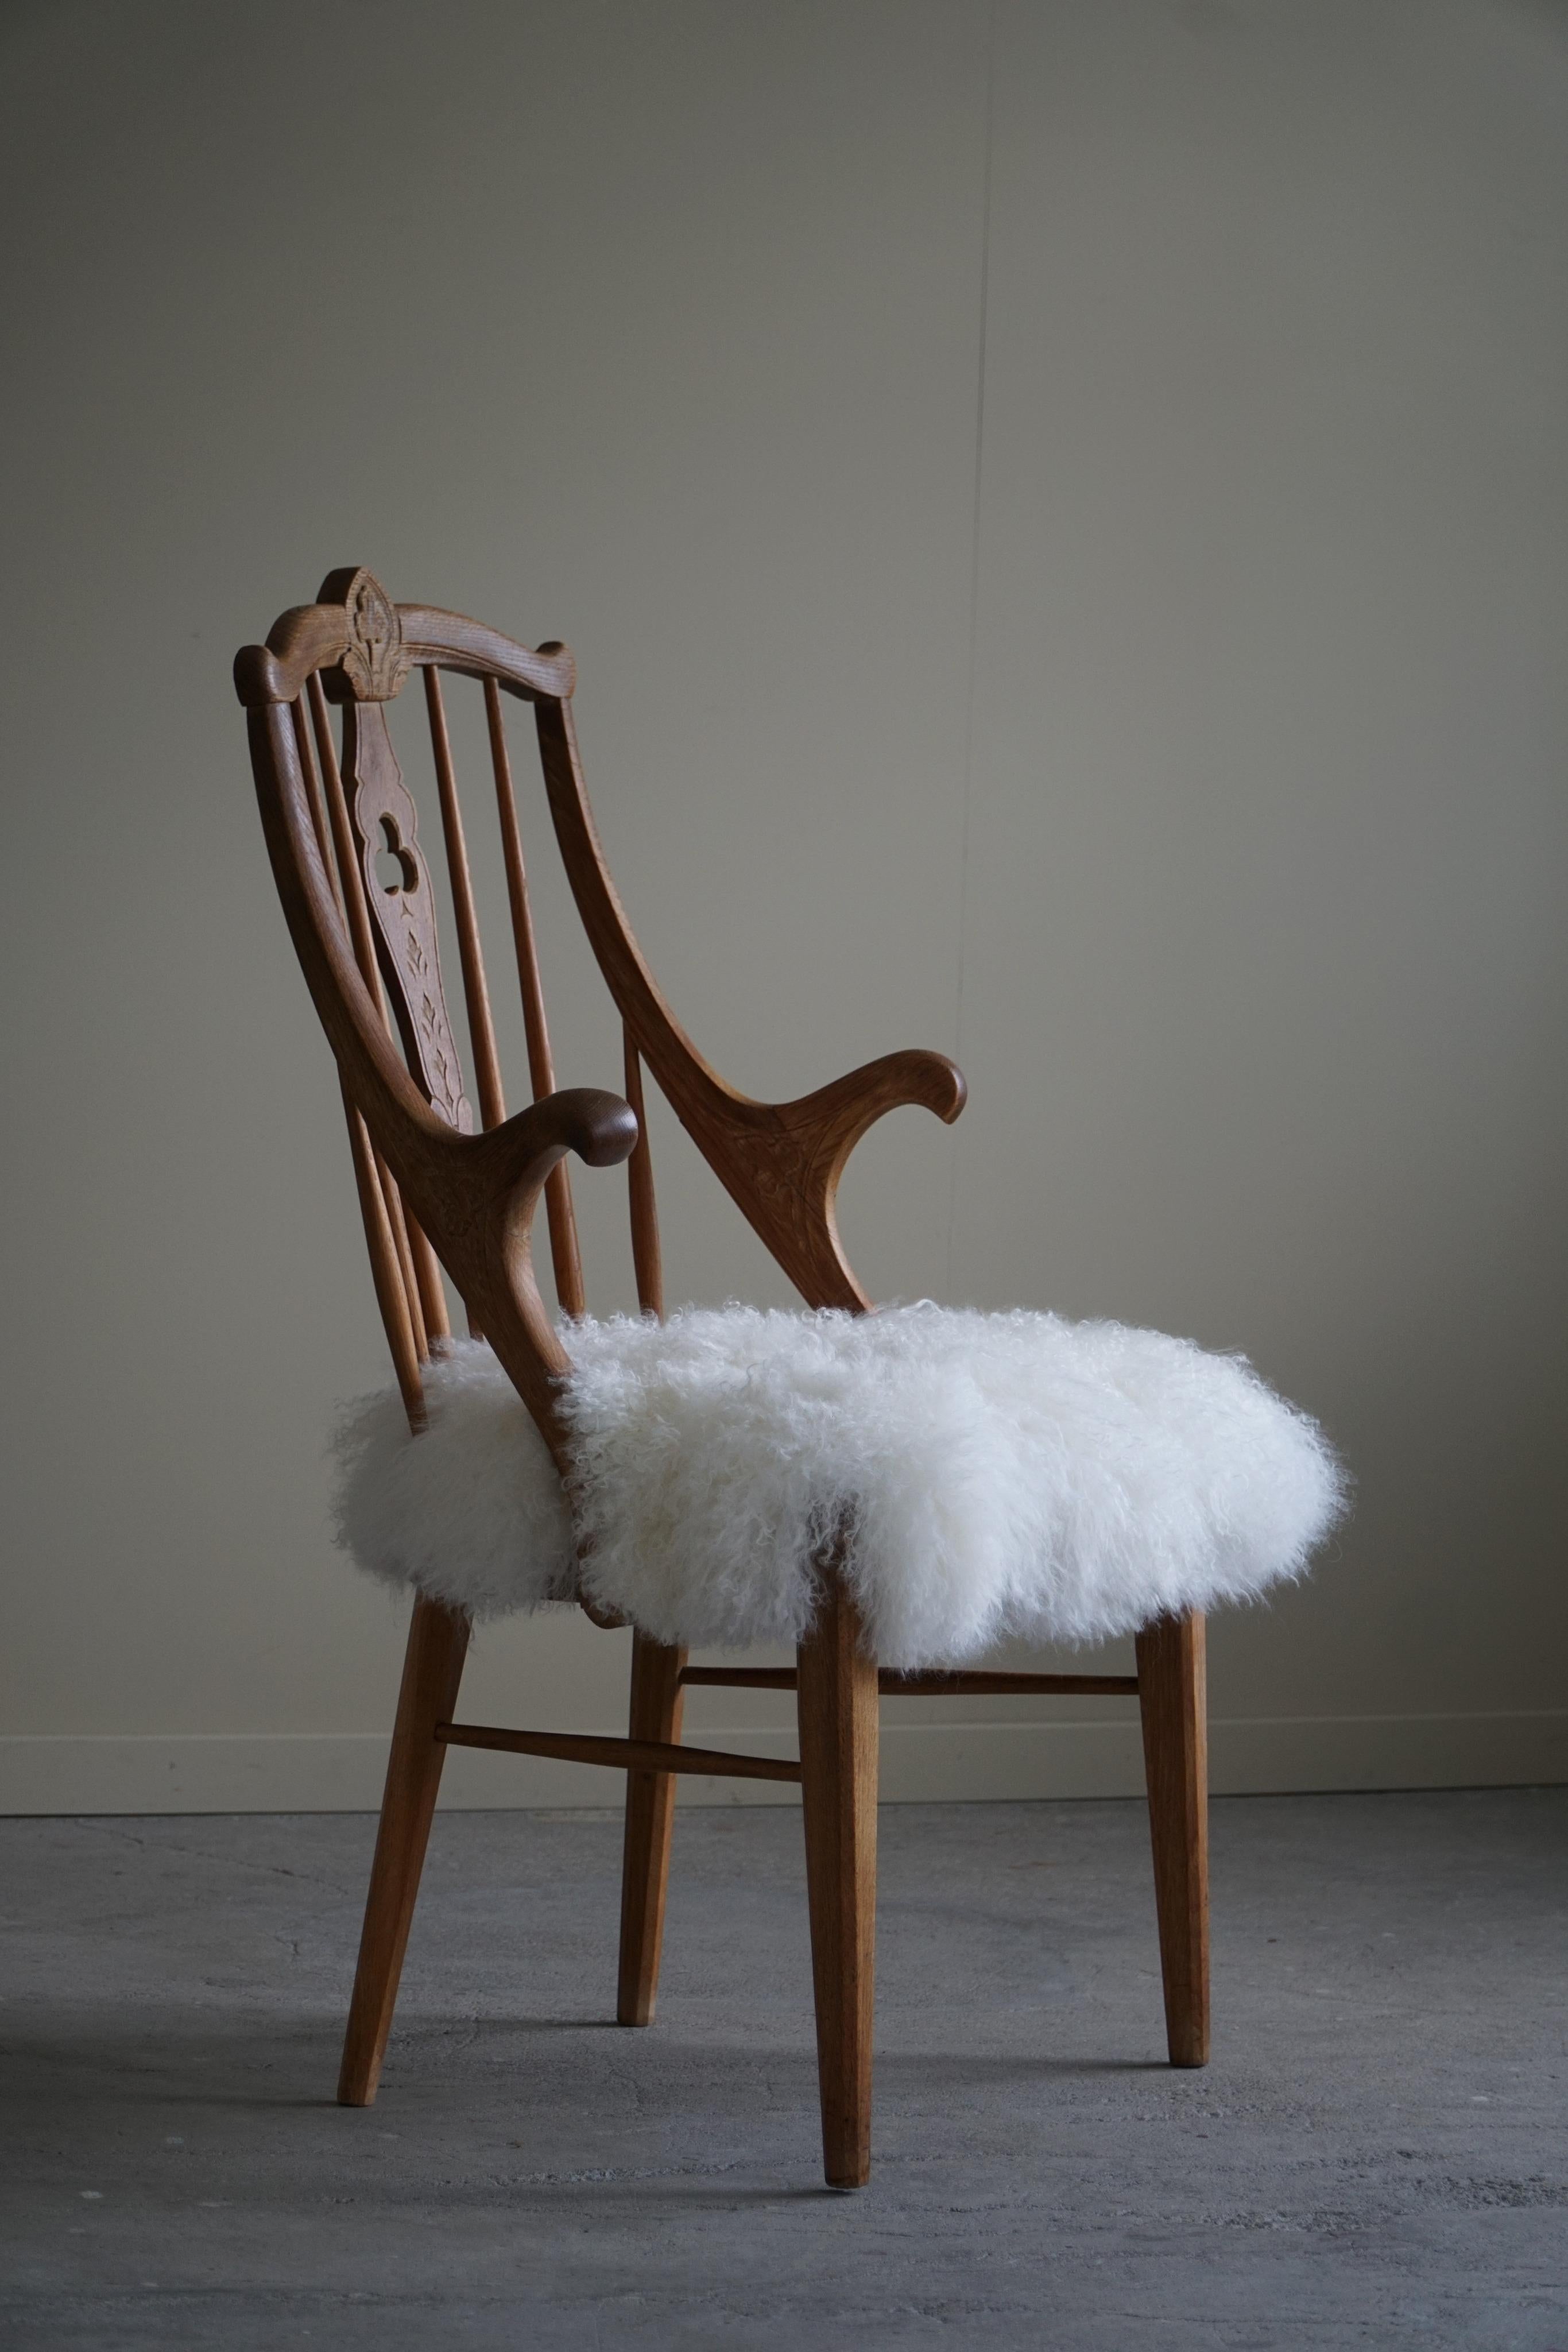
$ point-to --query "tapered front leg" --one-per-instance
(433, 1669)
(656, 1702)
(837, 1716)
(1173, 1698)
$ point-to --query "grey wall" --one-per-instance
(1060, 512)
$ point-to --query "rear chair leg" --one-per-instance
(837, 1696)
(433, 1668)
(1173, 1698)
(657, 1704)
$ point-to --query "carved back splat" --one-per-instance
(398, 892)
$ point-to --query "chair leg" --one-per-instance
(1174, 1700)
(837, 1696)
(656, 1702)
(433, 1668)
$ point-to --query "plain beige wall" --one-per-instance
(1060, 514)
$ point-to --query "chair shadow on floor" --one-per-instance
(168, 2062)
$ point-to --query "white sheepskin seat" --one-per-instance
(996, 1474)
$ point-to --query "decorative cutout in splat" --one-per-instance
(375, 659)
(394, 865)
(397, 888)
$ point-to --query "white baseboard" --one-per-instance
(332, 1772)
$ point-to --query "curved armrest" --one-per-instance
(780, 1163)
(788, 1158)
(851, 1104)
(517, 1156)
(476, 1196)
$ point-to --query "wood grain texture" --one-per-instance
(312, 638)
(836, 1704)
(560, 1215)
(470, 949)
(422, 1304)
(409, 1280)
(960, 1682)
(655, 1715)
(427, 1275)
(1173, 1688)
(647, 1259)
(386, 825)
(375, 660)
(314, 792)
(386, 1273)
(620, 1754)
(433, 1669)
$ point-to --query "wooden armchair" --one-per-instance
(436, 1184)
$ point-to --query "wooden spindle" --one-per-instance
(645, 1254)
(353, 881)
(318, 805)
(476, 995)
(566, 1257)
(393, 1267)
(385, 1271)
(397, 1220)
(427, 1274)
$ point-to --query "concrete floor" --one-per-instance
(1377, 2155)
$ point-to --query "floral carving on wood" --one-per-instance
(375, 659)
(782, 1181)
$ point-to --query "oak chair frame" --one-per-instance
(438, 1189)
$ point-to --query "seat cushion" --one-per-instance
(994, 1476)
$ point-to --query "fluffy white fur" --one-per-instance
(996, 1473)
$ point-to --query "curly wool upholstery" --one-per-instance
(994, 1475)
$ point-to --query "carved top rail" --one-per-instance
(356, 630)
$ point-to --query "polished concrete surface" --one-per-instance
(1378, 2154)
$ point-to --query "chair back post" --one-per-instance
(326, 822)
(565, 1254)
